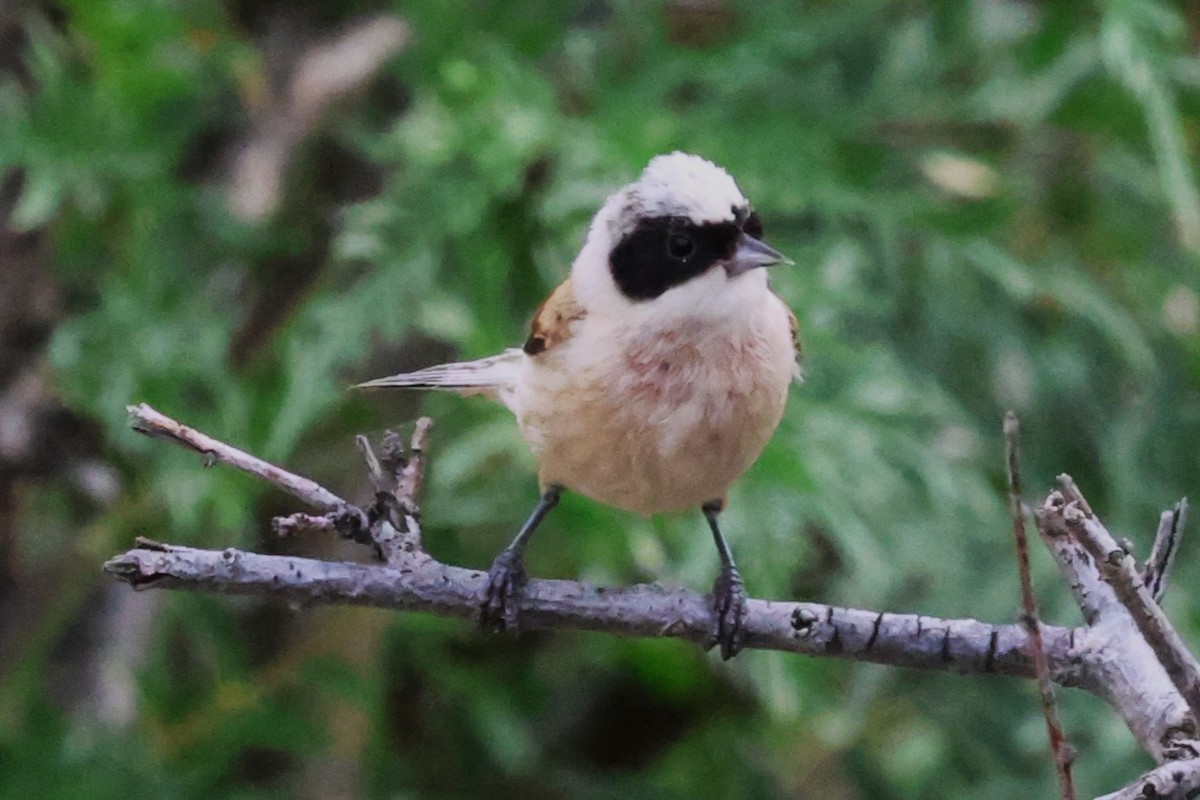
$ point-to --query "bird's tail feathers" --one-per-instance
(485, 376)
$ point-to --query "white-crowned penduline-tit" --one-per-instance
(654, 375)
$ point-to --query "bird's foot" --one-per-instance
(729, 607)
(506, 578)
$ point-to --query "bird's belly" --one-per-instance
(664, 439)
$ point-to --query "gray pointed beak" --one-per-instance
(751, 253)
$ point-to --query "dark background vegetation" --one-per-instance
(991, 204)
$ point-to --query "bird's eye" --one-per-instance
(753, 226)
(680, 246)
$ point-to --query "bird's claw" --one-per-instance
(729, 607)
(506, 577)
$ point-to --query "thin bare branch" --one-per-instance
(408, 483)
(147, 421)
(409, 471)
(1119, 571)
(903, 640)
(1073, 495)
(1064, 754)
(294, 524)
(1166, 544)
(1175, 780)
(379, 479)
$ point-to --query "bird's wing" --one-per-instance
(795, 326)
(552, 323)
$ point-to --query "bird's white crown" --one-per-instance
(677, 185)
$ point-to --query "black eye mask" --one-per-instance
(665, 252)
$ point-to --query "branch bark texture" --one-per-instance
(903, 640)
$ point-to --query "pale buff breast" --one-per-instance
(659, 420)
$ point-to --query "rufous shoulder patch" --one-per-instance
(795, 326)
(552, 323)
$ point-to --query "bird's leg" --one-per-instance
(729, 596)
(506, 576)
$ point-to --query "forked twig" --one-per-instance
(397, 478)
(1116, 565)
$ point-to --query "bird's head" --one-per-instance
(681, 238)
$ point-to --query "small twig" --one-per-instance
(396, 527)
(350, 522)
(393, 456)
(1174, 780)
(379, 479)
(1072, 494)
(408, 483)
(409, 474)
(294, 524)
(147, 421)
(1166, 545)
(1064, 754)
(1119, 572)
(388, 526)
(146, 543)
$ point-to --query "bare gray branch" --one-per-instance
(147, 421)
(903, 640)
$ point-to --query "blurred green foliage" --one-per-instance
(991, 204)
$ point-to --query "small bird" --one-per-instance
(654, 375)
